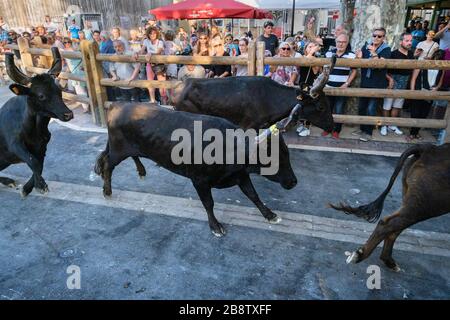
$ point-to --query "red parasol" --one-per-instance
(209, 9)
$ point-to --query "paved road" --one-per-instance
(152, 241)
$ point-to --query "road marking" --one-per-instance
(355, 232)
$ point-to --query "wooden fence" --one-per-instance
(97, 98)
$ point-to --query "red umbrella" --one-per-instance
(209, 9)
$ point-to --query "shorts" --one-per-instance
(400, 83)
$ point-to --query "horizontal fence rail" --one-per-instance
(255, 61)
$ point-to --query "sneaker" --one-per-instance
(383, 131)
(357, 133)
(325, 133)
(306, 132)
(365, 137)
(396, 130)
(300, 128)
(335, 135)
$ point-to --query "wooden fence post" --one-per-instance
(251, 65)
(260, 48)
(446, 136)
(94, 73)
(27, 59)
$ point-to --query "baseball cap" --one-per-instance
(151, 17)
(268, 23)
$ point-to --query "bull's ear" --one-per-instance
(19, 90)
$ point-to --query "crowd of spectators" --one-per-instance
(416, 42)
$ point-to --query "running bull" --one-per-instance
(24, 120)
(426, 194)
(143, 130)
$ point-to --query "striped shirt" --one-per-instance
(339, 75)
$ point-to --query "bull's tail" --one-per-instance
(372, 211)
(101, 161)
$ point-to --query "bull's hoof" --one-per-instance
(43, 191)
(275, 220)
(142, 177)
(24, 194)
(12, 185)
(219, 232)
(107, 196)
(392, 265)
(354, 257)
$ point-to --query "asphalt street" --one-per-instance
(152, 241)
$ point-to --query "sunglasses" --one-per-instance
(284, 49)
(378, 36)
(67, 42)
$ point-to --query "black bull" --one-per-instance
(142, 130)
(24, 120)
(254, 102)
(426, 194)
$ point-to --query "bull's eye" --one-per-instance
(41, 97)
(320, 108)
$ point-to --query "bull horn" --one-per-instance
(56, 67)
(13, 72)
(322, 80)
(280, 126)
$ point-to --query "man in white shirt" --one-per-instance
(125, 71)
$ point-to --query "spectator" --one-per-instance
(191, 71)
(242, 70)
(3, 38)
(12, 37)
(88, 30)
(152, 22)
(285, 75)
(418, 35)
(267, 72)
(182, 40)
(135, 44)
(307, 76)
(228, 43)
(59, 41)
(49, 25)
(426, 49)
(218, 50)
(41, 32)
(411, 27)
(426, 24)
(423, 80)
(203, 47)
(26, 35)
(153, 45)
(3, 24)
(398, 80)
(73, 30)
(340, 77)
(444, 37)
(116, 35)
(270, 40)
(75, 66)
(214, 32)
(96, 37)
(170, 49)
(372, 78)
(107, 47)
(81, 36)
(125, 71)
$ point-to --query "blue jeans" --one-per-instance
(368, 107)
(338, 105)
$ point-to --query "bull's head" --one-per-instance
(44, 96)
(314, 104)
